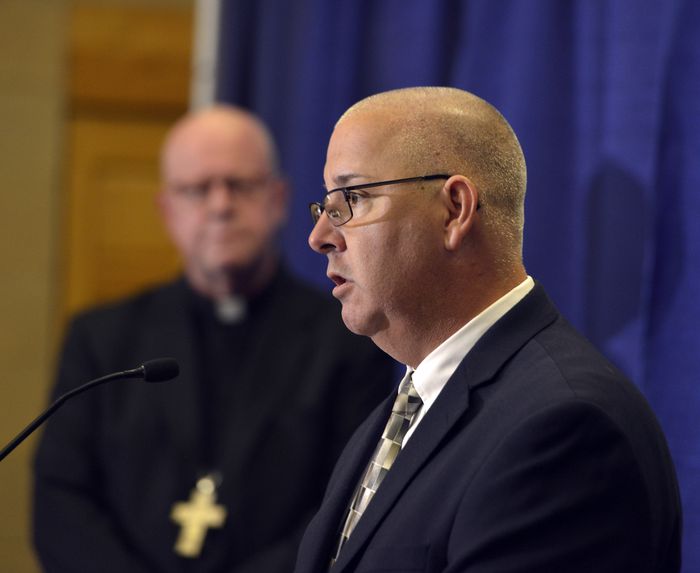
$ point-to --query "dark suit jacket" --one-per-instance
(113, 461)
(538, 456)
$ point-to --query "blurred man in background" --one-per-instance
(220, 469)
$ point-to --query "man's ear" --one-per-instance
(461, 198)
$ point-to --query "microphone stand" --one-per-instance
(134, 373)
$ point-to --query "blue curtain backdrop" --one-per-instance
(605, 97)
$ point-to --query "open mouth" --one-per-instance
(337, 279)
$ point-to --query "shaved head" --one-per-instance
(250, 135)
(447, 130)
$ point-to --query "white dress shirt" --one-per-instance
(431, 375)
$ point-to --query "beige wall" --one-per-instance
(33, 113)
(31, 119)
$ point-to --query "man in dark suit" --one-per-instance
(511, 445)
(221, 469)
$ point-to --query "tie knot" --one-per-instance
(407, 401)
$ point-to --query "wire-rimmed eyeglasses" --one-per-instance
(337, 203)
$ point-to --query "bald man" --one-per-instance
(221, 469)
(511, 445)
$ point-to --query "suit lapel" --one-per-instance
(497, 346)
(451, 404)
(327, 523)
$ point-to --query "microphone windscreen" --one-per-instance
(160, 370)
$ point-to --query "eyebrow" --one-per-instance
(344, 179)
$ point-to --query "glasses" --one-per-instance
(338, 203)
(199, 191)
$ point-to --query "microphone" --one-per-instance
(157, 370)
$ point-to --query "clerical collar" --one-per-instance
(231, 310)
(234, 309)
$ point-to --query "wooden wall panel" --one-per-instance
(115, 242)
(128, 80)
(130, 56)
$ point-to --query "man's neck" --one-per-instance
(235, 282)
(410, 339)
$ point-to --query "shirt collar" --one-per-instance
(431, 375)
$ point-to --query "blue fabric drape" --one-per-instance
(605, 97)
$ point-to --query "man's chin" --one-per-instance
(362, 324)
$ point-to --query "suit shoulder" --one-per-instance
(326, 316)
(573, 355)
(124, 312)
(306, 295)
(310, 304)
(567, 364)
(321, 316)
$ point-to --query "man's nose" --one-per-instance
(219, 195)
(325, 236)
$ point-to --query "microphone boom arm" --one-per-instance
(152, 371)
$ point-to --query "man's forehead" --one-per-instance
(354, 160)
(363, 147)
(366, 134)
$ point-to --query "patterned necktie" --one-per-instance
(404, 410)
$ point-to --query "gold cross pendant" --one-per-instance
(196, 516)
